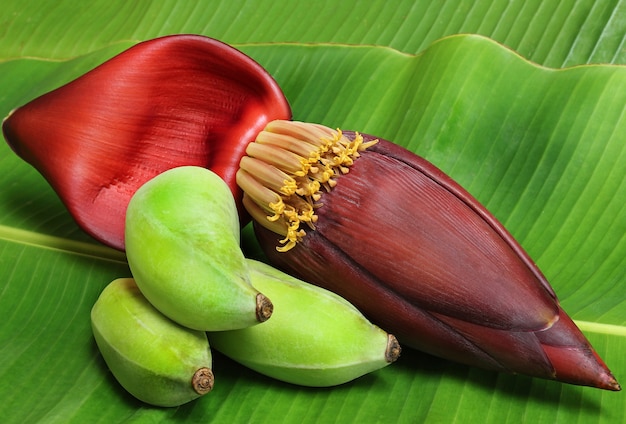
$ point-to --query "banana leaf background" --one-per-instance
(528, 114)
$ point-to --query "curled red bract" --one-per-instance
(167, 102)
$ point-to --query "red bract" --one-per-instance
(172, 101)
(411, 249)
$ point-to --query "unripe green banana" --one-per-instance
(315, 338)
(182, 245)
(153, 358)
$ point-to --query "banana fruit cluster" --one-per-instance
(190, 279)
(315, 338)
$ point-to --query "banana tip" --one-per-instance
(202, 381)
(393, 349)
(264, 307)
(609, 383)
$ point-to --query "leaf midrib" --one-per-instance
(60, 244)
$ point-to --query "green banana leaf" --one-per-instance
(543, 148)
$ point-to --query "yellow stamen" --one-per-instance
(261, 195)
(285, 170)
(280, 158)
(287, 142)
(270, 176)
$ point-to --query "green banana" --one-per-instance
(153, 358)
(315, 338)
(182, 244)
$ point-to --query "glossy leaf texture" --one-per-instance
(542, 149)
(556, 34)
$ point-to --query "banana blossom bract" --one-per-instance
(167, 102)
(410, 248)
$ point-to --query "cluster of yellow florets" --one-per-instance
(291, 163)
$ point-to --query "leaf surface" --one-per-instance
(542, 148)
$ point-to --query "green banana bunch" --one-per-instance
(182, 244)
(155, 359)
(315, 338)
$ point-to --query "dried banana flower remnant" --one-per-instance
(415, 252)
